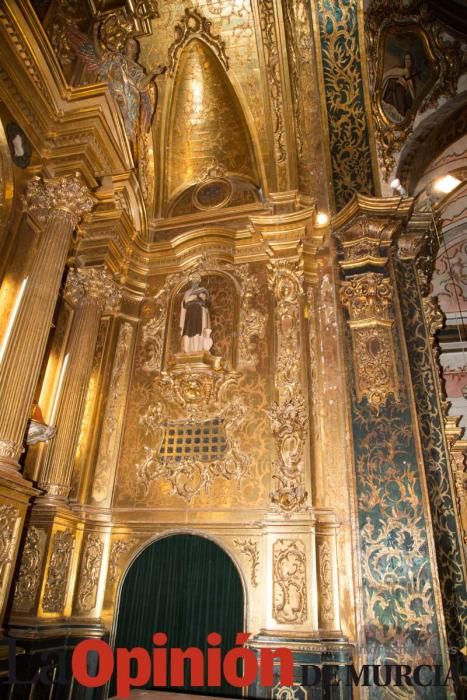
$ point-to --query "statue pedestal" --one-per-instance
(195, 360)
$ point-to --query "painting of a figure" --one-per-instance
(407, 73)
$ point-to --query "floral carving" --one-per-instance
(90, 570)
(59, 568)
(8, 518)
(66, 194)
(270, 43)
(91, 285)
(30, 571)
(288, 415)
(117, 552)
(325, 581)
(367, 297)
(289, 583)
(250, 549)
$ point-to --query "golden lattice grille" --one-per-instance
(186, 439)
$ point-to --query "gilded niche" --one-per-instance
(195, 406)
(211, 161)
(289, 584)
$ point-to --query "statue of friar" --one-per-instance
(195, 321)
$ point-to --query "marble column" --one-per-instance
(91, 291)
(58, 204)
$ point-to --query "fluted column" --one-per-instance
(90, 291)
(58, 204)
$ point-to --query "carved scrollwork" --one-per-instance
(289, 583)
(270, 43)
(325, 581)
(90, 570)
(219, 399)
(367, 297)
(250, 549)
(8, 518)
(29, 576)
(288, 415)
(193, 25)
(110, 443)
(59, 569)
(118, 550)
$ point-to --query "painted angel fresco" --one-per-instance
(133, 89)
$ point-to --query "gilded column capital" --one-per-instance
(66, 194)
(95, 286)
(367, 297)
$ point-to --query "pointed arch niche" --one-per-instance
(210, 160)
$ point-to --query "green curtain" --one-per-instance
(187, 587)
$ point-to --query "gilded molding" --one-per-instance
(89, 576)
(111, 427)
(64, 194)
(250, 549)
(289, 582)
(58, 571)
(92, 285)
(272, 59)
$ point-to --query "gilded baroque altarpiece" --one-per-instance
(222, 362)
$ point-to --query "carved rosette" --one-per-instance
(65, 194)
(94, 286)
(250, 549)
(59, 569)
(90, 571)
(8, 518)
(289, 582)
(367, 298)
(288, 415)
(29, 576)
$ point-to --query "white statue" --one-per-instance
(195, 322)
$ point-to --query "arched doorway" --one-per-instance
(187, 587)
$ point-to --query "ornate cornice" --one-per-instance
(66, 194)
(92, 285)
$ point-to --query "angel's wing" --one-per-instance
(83, 48)
(148, 99)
